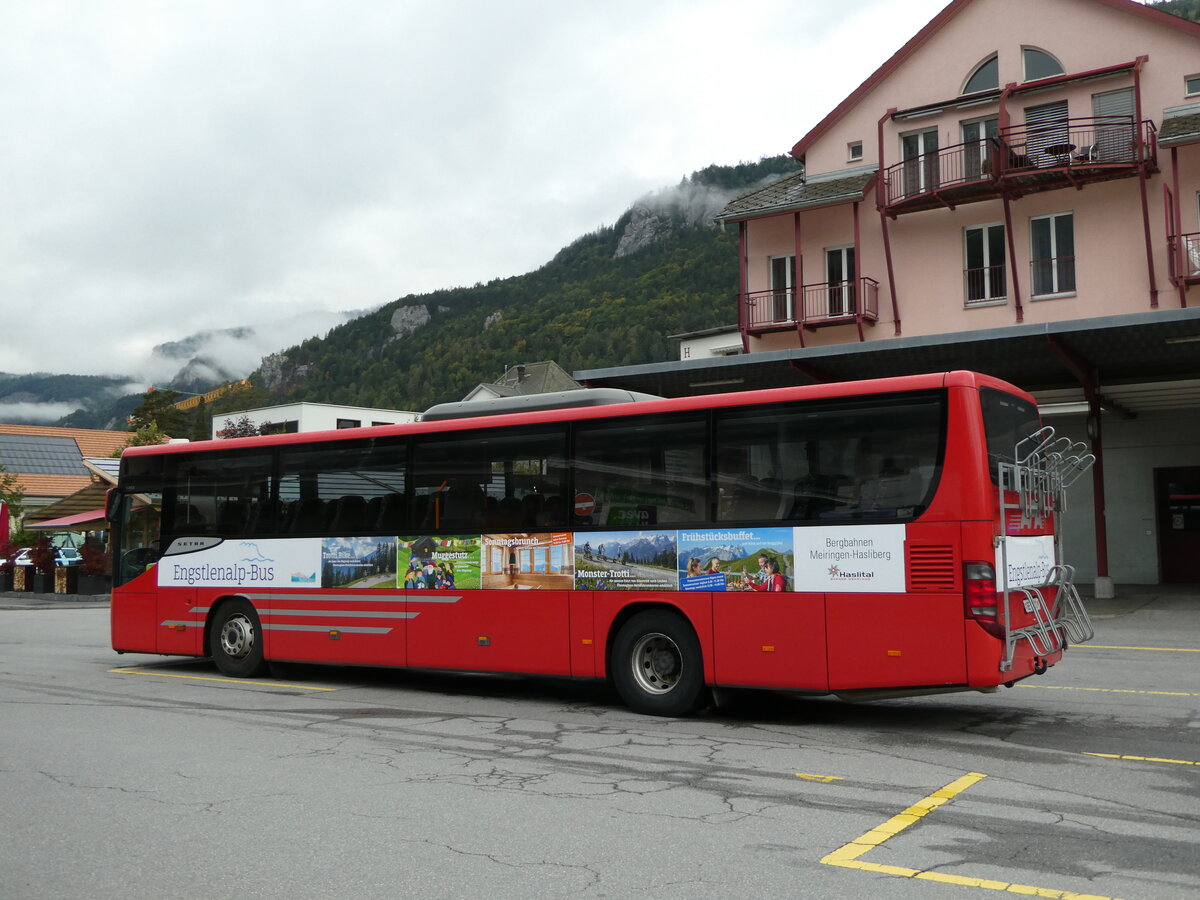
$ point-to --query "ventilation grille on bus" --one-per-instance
(931, 567)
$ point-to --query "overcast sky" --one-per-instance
(178, 166)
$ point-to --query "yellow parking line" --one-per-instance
(1156, 759)
(1063, 687)
(242, 681)
(847, 855)
(1159, 649)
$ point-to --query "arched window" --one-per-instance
(986, 76)
(1040, 64)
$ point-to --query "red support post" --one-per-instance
(1179, 259)
(798, 279)
(743, 325)
(1012, 254)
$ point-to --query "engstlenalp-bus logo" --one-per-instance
(836, 574)
(256, 555)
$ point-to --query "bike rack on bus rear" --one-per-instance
(1042, 469)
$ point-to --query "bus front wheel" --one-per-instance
(237, 640)
(657, 665)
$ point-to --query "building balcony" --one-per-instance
(1184, 256)
(821, 305)
(985, 286)
(1020, 160)
(1052, 276)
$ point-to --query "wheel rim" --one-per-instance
(237, 637)
(657, 663)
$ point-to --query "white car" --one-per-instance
(63, 556)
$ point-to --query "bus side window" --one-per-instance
(497, 479)
(647, 471)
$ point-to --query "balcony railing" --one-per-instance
(822, 303)
(1184, 255)
(985, 285)
(1028, 157)
(1053, 275)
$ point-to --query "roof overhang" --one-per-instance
(85, 521)
(1138, 348)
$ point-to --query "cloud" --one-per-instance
(36, 413)
(174, 168)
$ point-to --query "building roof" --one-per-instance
(106, 468)
(798, 192)
(1133, 349)
(932, 27)
(83, 507)
(528, 378)
(50, 485)
(91, 442)
(1182, 129)
(47, 461)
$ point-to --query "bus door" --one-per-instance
(136, 523)
(493, 602)
(488, 573)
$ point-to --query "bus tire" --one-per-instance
(237, 640)
(657, 666)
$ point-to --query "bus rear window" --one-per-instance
(1007, 420)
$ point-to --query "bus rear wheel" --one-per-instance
(657, 665)
(237, 640)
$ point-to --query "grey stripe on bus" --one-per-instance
(354, 598)
(338, 613)
(349, 629)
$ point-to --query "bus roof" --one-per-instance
(559, 411)
(496, 406)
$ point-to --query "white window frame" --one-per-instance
(1050, 295)
(983, 142)
(840, 296)
(789, 287)
(1191, 85)
(975, 71)
(854, 151)
(1024, 71)
(921, 172)
(986, 300)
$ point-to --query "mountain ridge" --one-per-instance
(609, 297)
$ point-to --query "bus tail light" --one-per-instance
(980, 599)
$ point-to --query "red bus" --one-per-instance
(871, 539)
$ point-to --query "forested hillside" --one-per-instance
(1186, 9)
(610, 298)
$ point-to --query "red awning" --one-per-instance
(76, 522)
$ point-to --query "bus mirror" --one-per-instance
(110, 504)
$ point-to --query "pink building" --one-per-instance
(1016, 161)
(1017, 190)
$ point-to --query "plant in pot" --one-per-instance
(94, 578)
(42, 556)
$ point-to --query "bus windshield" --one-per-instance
(1007, 420)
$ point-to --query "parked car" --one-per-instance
(63, 556)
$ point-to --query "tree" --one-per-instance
(1186, 9)
(145, 436)
(158, 408)
(243, 427)
(12, 493)
(43, 556)
(201, 423)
